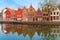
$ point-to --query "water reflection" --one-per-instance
(44, 32)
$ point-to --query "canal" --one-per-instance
(29, 32)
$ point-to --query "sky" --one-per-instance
(14, 4)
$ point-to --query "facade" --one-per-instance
(45, 15)
(1, 15)
(45, 12)
(13, 15)
(47, 9)
(55, 15)
(25, 14)
(6, 14)
(38, 15)
(18, 14)
(31, 14)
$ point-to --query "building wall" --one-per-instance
(55, 15)
(3, 14)
(25, 14)
(13, 15)
(31, 14)
(18, 14)
(38, 15)
(45, 15)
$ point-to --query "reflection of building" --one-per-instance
(31, 31)
(26, 29)
(18, 29)
(55, 31)
(6, 28)
(38, 29)
(46, 30)
(55, 15)
(25, 14)
(31, 14)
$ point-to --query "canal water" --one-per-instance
(29, 32)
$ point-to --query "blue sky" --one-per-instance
(19, 3)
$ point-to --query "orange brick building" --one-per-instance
(25, 14)
(31, 14)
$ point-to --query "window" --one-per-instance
(57, 18)
(51, 13)
(45, 14)
(57, 13)
(54, 13)
(51, 17)
(47, 19)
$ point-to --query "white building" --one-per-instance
(4, 14)
(55, 15)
